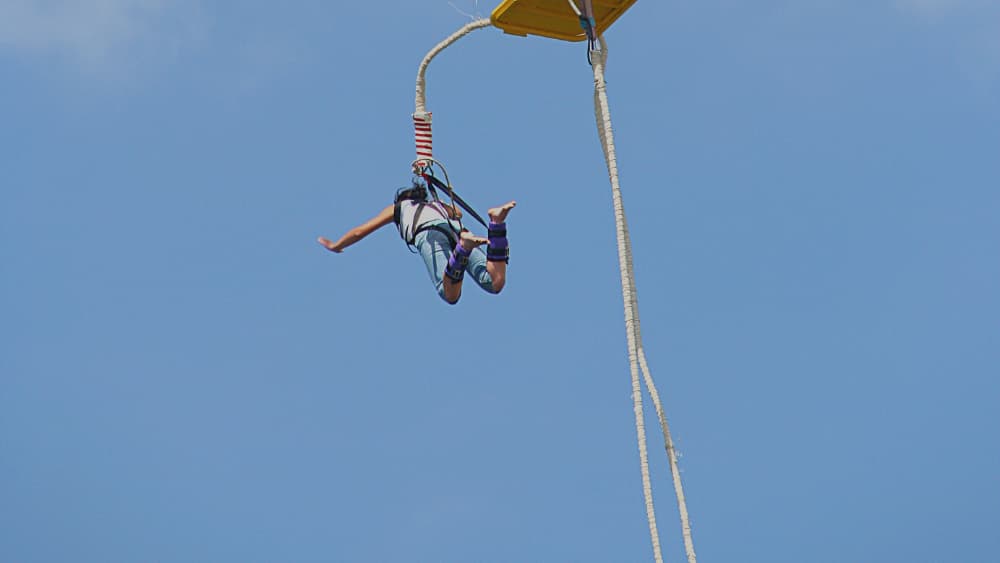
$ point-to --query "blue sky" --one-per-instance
(812, 190)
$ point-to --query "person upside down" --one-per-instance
(449, 250)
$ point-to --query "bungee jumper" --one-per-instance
(435, 230)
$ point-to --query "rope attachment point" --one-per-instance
(424, 140)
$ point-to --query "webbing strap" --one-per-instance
(587, 21)
(435, 183)
(452, 236)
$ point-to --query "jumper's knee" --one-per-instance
(451, 300)
(498, 283)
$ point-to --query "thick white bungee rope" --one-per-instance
(637, 357)
(421, 102)
(421, 117)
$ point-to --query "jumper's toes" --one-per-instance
(499, 214)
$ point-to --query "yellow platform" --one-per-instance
(554, 18)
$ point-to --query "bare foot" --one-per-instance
(329, 244)
(470, 241)
(499, 214)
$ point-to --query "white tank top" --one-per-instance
(432, 212)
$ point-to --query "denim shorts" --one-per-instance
(435, 248)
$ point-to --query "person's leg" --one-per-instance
(497, 253)
(445, 266)
(478, 268)
(435, 249)
(457, 263)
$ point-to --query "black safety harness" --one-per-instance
(419, 194)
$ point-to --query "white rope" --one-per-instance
(671, 454)
(422, 134)
(637, 357)
(421, 101)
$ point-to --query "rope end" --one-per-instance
(423, 138)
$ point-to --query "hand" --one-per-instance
(329, 245)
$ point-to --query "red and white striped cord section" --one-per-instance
(422, 135)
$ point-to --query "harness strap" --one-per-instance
(450, 232)
(397, 218)
(587, 20)
(416, 221)
(589, 26)
(435, 183)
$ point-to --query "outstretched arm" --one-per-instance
(361, 231)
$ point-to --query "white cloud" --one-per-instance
(98, 33)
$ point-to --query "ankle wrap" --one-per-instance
(459, 259)
(498, 249)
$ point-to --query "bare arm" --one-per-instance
(361, 231)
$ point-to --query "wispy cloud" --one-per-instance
(97, 34)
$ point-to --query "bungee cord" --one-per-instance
(421, 99)
(637, 356)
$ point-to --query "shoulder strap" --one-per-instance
(416, 221)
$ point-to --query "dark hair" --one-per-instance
(415, 192)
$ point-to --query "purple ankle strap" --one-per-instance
(459, 259)
(497, 235)
(497, 249)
